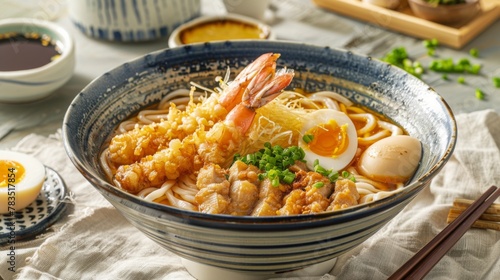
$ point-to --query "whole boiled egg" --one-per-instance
(330, 137)
(21, 179)
(392, 160)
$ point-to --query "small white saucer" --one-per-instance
(39, 215)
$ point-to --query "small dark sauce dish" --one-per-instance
(26, 51)
(36, 58)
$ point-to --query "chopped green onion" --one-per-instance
(318, 185)
(461, 80)
(347, 175)
(277, 150)
(432, 43)
(418, 71)
(274, 161)
(474, 52)
(496, 82)
(320, 169)
(307, 138)
(431, 46)
(333, 176)
(407, 62)
(399, 57)
(273, 173)
(447, 65)
(236, 157)
(464, 62)
(479, 94)
(289, 177)
(275, 182)
(474, 69)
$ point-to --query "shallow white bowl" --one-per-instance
(37, 83)
(175, 38)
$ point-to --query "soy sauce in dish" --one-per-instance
(26, 51)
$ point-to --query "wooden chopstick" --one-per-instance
(425, 259)
(490, 219)
(456, 211)
(464, 203)
(481, 223)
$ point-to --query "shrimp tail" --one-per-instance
(267, 91)
(262, 90)
(232, 95)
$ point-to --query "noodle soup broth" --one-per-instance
(160, 154)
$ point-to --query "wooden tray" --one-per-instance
(404, 21)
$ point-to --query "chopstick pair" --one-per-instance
(425, 259)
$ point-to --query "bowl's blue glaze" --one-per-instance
(266, 244)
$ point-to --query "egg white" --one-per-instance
(391, 160)
(323, 116)
(25, 191)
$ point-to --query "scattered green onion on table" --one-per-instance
(399, 57)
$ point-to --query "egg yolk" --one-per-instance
(11, 172)
(328, 139)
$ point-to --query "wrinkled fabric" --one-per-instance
(93, 241)
(471, 170)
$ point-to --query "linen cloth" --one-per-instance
(93, 241)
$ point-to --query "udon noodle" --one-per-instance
(278, 123)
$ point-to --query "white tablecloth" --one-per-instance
(93, 241)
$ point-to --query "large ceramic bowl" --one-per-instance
(264, 246)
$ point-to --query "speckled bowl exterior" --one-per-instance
(257, 245)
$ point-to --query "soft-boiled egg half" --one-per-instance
(330, 137)
(391, 160)
(21, 179)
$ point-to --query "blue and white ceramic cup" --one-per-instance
(131, 20)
